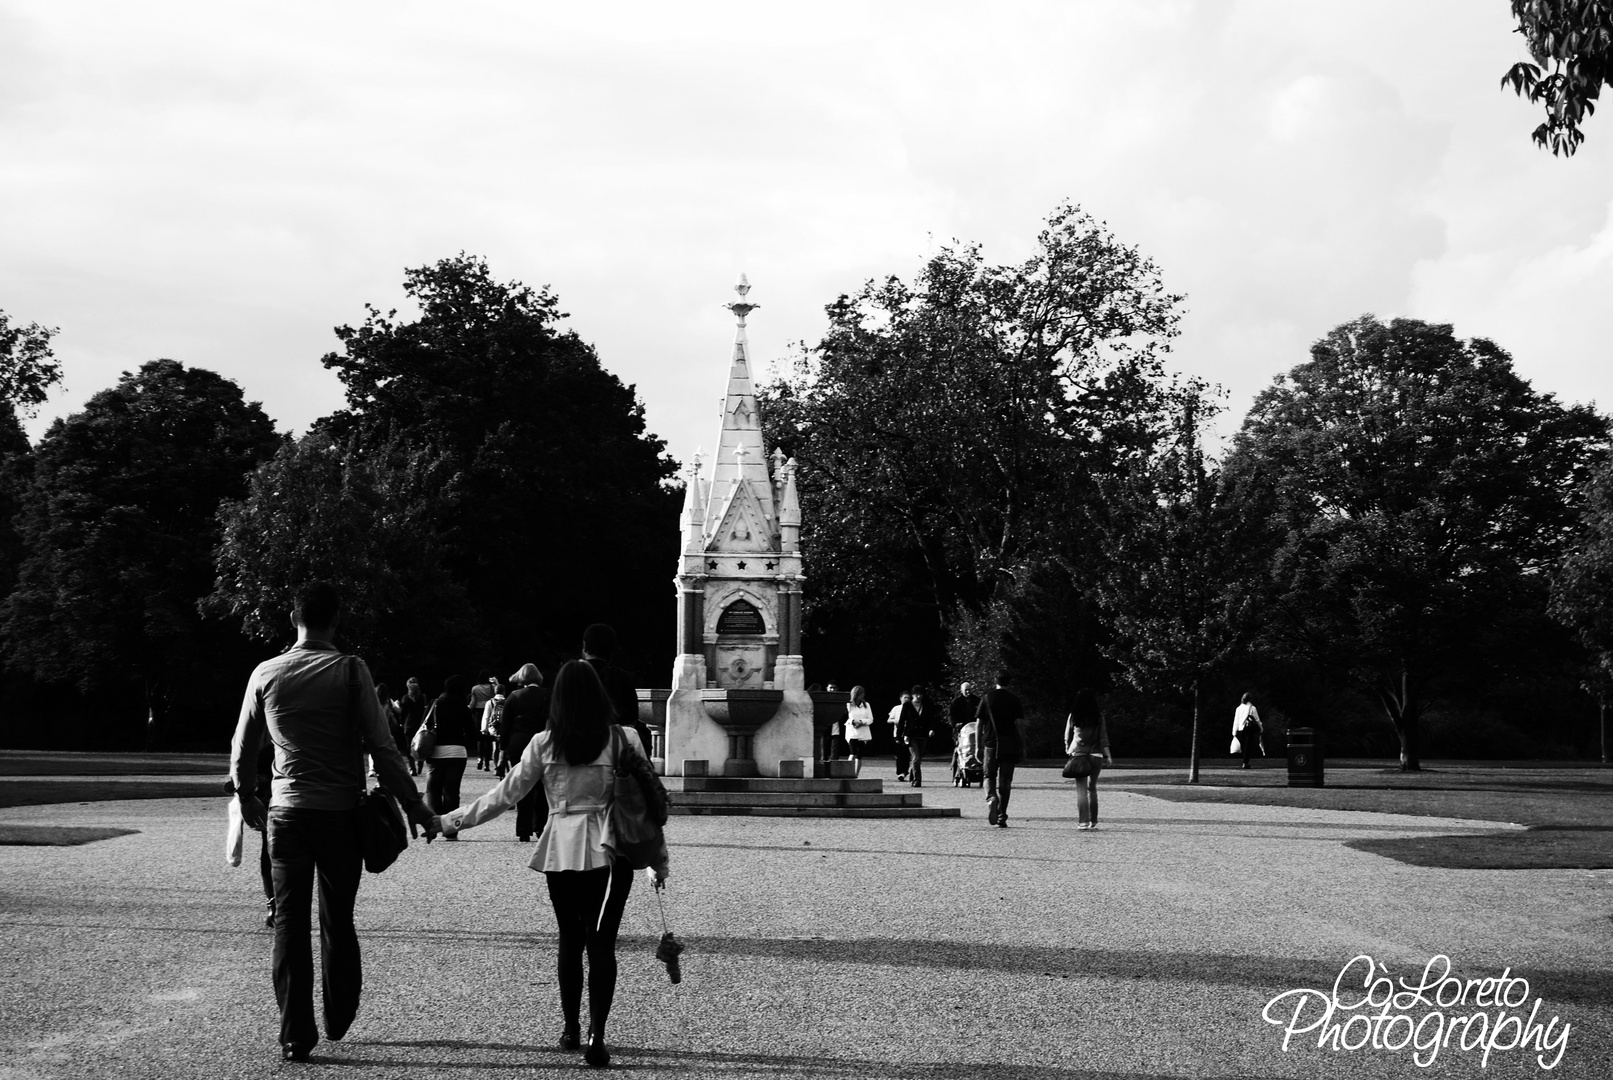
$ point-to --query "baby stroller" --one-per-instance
(966, 767)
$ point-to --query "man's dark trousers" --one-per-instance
(999, 780)
(305, 845)
(915, 766)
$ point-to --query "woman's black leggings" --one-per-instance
(588, 908)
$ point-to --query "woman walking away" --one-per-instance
(575, 761)
(859, 727)
(456, 733)
(1086, 739)
(1246, 730)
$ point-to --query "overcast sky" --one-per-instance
(223, 183)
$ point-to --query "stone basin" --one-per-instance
(741, 709)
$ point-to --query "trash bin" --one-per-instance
(1304, 758)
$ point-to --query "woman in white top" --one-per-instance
(575, 761)
(859, 727)
(1246, 731)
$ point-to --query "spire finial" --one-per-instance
(742, 307)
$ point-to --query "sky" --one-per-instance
(223, 184)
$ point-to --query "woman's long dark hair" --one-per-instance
(580, 713)
(1085, 708)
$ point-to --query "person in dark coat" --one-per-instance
(920, 718)
(1002, 747)
(457, 732)
(526, 712)
(598, 646)
(963, 710)
(412, 708)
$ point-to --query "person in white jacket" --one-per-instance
(1246, 731)
(859, 727)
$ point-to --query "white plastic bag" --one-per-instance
(233, 834)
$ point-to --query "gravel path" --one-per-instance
(933, 948)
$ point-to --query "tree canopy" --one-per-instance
(566, 513)
(1582, 585)
(1571, 42)
(373, 520)
(119, 527)
(1421, 490)
(949, 430)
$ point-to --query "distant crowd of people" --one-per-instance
(984, 736)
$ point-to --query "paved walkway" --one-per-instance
(930, 949)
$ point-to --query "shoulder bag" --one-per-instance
(638, 807)
(425, 740)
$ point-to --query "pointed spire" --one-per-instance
(741, 459)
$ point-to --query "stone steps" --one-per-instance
(679, 808)
(794, 798)
(767, 796)
(769, 784)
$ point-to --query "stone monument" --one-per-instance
(738, 692)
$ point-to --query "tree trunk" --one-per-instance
(1193, 753)
(1404, 705)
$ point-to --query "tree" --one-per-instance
(1422, 491)
(948, 431)
(566, 513)
(373, 521)
(1582, 589)
(1574, 39)
(28, 368)
(119, 528)
(1179, 544)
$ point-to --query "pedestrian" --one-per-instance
(318, 708)
(493, 725)
(859, 728)
(575, 759)
(526, 712)
(1002, 746)
(1247, 730)
(915, 725)
(412, 710)
(456, 732)
(835, 744)
(1086, 737)
(485, 690)
(394, 719)
(599, 649)
(963, 710)
(903, 757)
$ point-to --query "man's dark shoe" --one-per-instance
(295, 1051)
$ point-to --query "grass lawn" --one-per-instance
(1569, 810)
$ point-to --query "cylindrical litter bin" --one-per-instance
(1304, 758)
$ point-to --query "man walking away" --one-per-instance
(1002, 747)
(903, 758)
(413, 709)
(598, 646)
(319, 710)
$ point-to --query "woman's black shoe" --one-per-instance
(295, 1051)
(596, 1054)
(571, 1037)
